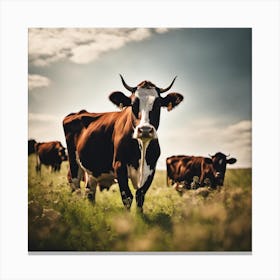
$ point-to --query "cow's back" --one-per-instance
(176, 167)
(89, 134)
(184, 168)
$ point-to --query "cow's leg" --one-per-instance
(169, 181)
(140, 193)
(38, 164)
(126, 195)
(75, 181)
(91, 185)
(202, 180)
(188, 178)
(149, 154)
(56, 167)
(75, 173)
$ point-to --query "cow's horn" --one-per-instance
(131, 89)
(228, 155)
(161, 90)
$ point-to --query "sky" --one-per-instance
(74, 69)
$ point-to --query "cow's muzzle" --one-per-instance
(146, 132)
(219, 178)
(64, 157)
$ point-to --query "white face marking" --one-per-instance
(146, 101)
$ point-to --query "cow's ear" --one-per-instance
(171, 100)
(120, 99)
(231, 160)
(208, 160)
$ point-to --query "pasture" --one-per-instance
(197, 220)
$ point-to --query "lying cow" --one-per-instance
(185, 168)
(119, 145)
(50, 154)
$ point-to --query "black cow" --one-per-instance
(31, 146)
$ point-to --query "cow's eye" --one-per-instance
(135, 107)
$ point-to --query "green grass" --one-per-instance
(197, 220)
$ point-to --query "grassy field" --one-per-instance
(197, 220)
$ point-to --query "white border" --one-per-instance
(17, 16)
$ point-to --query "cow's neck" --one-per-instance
(141, 174)
(144, 169)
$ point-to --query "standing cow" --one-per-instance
(50, 154)
(31, 146)
(184, 168)
(119, 145)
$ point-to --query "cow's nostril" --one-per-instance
(145, 129)
(146, 132)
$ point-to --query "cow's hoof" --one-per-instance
(127, 201)
(127, 205)
(78, 192)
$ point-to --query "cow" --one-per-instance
(183, 168)
(110, 146)
(31, 146)
(51, 154)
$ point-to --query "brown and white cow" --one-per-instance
(184, 168)
(119, 145)
(50, 154)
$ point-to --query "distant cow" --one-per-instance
(119, 145)
(184, 168)
(31, 146)
(50, 154)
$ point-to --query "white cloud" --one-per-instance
(139, 34)
(161, 30)
(80, 45)
(37, 81)
(33, 117)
